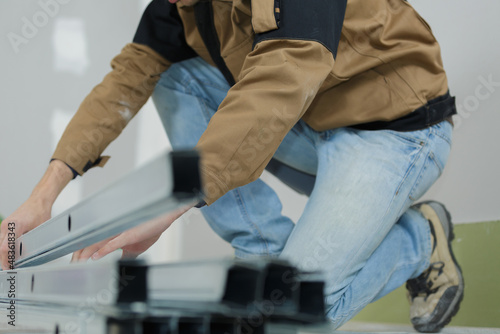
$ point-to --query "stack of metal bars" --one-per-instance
(218, 296)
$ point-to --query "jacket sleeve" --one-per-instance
(294, 50)
(158, 42)
(278, 83)
(108, 108)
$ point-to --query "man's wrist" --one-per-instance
(60, 165)
(61, 169)
(52, 183)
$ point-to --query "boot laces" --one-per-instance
(423, 284)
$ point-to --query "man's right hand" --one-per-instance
(36, 209)
(28, 216)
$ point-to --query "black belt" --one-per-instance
(435, 111)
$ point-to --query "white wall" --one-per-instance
(44, 80)
(52, 54)
(469, 35)
(43, 83)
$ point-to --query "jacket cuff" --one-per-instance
(79, 167)
(213, 187)
(75, 173)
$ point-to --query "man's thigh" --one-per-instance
(365, 181)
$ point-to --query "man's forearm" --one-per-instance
(52, 183)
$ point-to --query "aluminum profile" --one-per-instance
(95, 285)
(229, 287)
(69, 320)
(196, 285)
(53, 319)
(164, 185)
(218, 296)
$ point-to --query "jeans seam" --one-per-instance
(405, 177)
(438, 164)
(418, 180)
(419, 177)
(245, 215)
(401, 135)
(206, 109)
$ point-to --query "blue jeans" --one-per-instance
(358, 226)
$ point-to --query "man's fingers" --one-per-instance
(5, 261)
(10, 232)
(4, 253)
(85, 253)
(109, 247)
(76, 256)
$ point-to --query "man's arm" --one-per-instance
(294, 53)
(159, 41)
(36, 209)
(110, 106)
(99, 120)
(106, 111)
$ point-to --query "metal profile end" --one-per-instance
(132, 285)
(186, 173)
(282, 287)
(238, 277)
(312, 300)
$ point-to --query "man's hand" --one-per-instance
(36, 209)
(28, 216)
(132, 242)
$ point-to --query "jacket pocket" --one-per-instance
(265, 15)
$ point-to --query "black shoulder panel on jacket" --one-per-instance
(161, 29)
(312, 20)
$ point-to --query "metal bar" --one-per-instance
(196, 285)
(161, 186)
(105, 297)
(93, 285)
(50, 319)
(184, 285)
(53, 320)
(271, 288)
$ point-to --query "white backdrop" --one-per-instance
(52, 52)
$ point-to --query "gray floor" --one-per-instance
(372, 328)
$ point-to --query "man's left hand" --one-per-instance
(133, 242)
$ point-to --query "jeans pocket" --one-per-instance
(441, 136)
(433, 165)
(412, 138)
(439, 163)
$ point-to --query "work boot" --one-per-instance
(436, 294)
